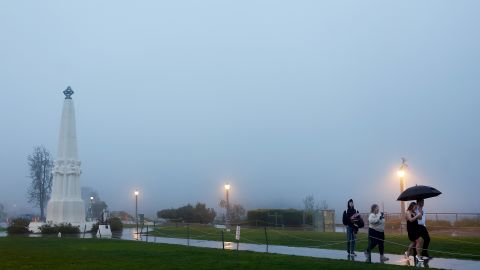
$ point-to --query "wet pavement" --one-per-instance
(310, 252)
(130, 234)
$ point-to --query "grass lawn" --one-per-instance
(74, 253)
(467, 245)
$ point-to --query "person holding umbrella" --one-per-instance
(418, 193)
(422, 229)
(413, 231)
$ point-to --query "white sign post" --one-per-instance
(237, 235)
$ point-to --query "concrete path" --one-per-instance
(315, 252)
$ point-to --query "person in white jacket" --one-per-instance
(376, 233)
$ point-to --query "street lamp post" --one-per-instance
(227, 218)
(401, 175)
(136, 208)
(91, 208)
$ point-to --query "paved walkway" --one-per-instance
(319, 253)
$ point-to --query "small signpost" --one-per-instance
(237, 236)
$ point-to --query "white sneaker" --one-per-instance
(383, 258)
(419, 259)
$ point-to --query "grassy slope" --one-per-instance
(468, 245)
(71, 253)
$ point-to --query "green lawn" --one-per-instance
(74, 253)
(466, 245)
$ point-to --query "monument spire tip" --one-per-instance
(68, 93)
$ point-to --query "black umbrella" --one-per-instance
(418, 192)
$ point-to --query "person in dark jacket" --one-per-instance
(350, 219)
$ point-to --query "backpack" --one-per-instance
(345, 218)
(360, 222)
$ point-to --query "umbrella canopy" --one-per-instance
(418, 192)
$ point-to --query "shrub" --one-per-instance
(189, 213)
(94, 228)
(47, 229)
(18, 226)
(115, 224)
(63, 228)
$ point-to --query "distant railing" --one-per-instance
(441, 223)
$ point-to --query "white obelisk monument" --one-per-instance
(66, 204)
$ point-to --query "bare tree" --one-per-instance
(3, 213)
(40, 164)
(311, 206)
(322, 205)
(236, 212)
(308, 208)
(309, 203)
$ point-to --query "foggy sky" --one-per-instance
(280, 98)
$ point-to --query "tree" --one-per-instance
(322, 205)
(123, 215)
(40, 164)
(3, 214)
(94, 208)
(198, 214)
(236, 212)
(97, 209)
(310, 206)
(309, 203)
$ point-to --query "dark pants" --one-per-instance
(423, 232)
(350, 240)
(375, 238)
(426, 239)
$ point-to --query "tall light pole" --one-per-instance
(91, 208)
(401, 175)
(136, 208)
(227, 218)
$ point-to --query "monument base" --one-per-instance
(66, 211)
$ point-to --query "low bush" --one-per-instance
(63, 228)
(18, 226)
(94, 228)
(116, 224)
